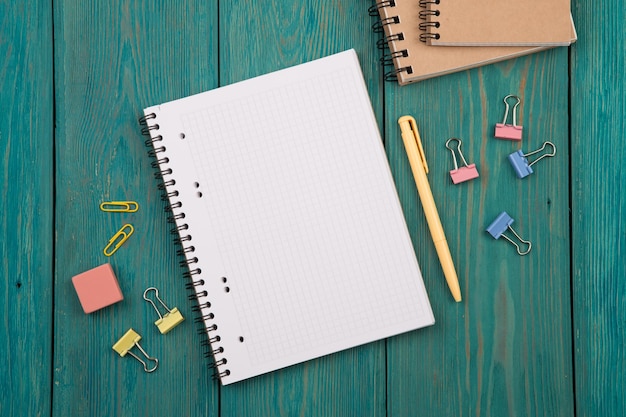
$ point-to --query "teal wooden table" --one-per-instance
(536, 335)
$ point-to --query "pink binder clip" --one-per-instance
(466, 172)
(504, 131)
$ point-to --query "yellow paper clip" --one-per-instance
(131, 339)
(122, 235)
(166, 322)
(119, 206)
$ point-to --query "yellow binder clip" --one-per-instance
(118, 239)
(131, 339)
(119, 206)
(166, 322)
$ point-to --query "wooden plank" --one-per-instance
(26, 146)
(598, 208)
(113, 59)
(506, 349)
(259, 37)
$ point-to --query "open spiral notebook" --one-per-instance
(288, 217)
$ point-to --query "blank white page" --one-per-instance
(293, 214)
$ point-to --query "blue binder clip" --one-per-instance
(501, 224)
(520, 163)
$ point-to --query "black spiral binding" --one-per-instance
(384, 42)
(183, 238)
(428, 25)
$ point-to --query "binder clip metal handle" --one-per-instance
(505, 131)
(466, 172)
(519, 160)
(169, 320)
(501, 224)
(130, 340)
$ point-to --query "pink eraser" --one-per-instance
(508, 132)
(464, 174)
(97, 288)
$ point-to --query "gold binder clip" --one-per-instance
(119, 206)
(121, 236)
(166, 322)
(131, 339)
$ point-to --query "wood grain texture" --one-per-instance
(26, 233)
(112, 60)
(256, 38)
(598, 208)
(505, 350)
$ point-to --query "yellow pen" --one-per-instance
(417, 160)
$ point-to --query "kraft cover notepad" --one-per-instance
(496, 22)
(286, 212)
(414, 60)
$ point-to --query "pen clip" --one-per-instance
(418, 140)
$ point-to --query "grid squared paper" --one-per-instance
(302, 206)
